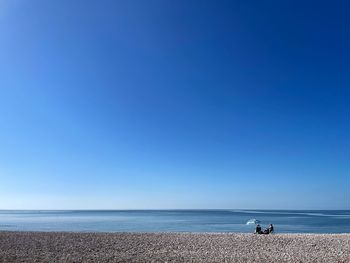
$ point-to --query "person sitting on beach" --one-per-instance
(258, 229)
(268, 230)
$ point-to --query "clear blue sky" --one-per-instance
(174, 104)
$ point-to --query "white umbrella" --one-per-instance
(253, 221)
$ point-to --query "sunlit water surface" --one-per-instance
(285, 221)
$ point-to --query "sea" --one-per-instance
(284, 221)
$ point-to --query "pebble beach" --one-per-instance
(172, 247)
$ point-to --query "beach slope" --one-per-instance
(172, 247)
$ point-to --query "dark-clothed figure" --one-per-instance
(268, 230)
(258, 229)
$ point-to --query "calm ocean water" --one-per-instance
(286, 221)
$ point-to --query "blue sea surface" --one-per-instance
(285, 221)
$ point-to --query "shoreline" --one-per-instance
(18, 246)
